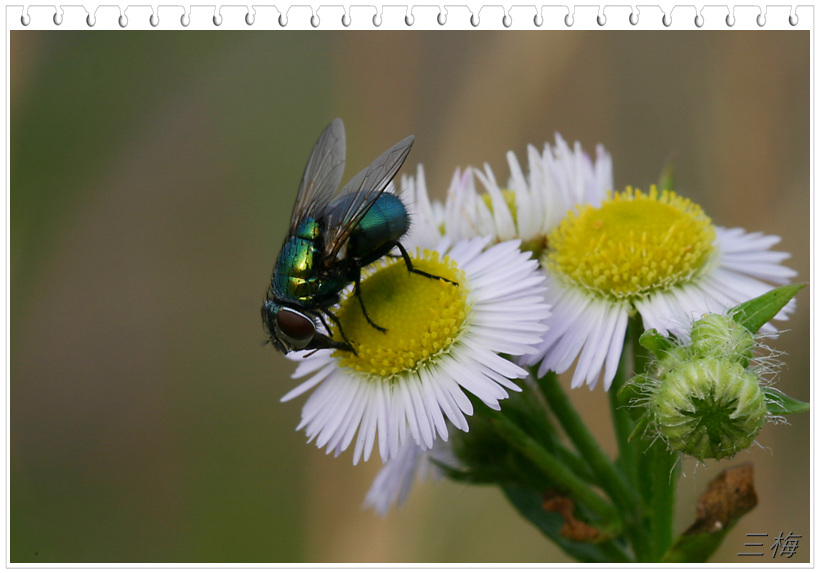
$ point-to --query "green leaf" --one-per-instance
(655, 342)
(754, 313)
(530, 505)
(779, 404)
(640, 426)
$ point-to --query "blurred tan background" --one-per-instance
(153, 175)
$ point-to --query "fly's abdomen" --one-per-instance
(386, 221)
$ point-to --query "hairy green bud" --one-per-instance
(720, 336)
(708, 407)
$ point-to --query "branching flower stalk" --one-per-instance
(552, 273)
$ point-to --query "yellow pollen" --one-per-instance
(633, 244)
(423, 316)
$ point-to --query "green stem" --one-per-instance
(640, 355)
(575, 463)
(657, 470)
(664, 476)
(628, 455)
(610, 479)
(560, 475)
(545, 432)
(622, 424)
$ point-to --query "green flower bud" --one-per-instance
(708, 407)
(720, 336)
(671, 359)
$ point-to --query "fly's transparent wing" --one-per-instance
(356, 198)
(323, 174)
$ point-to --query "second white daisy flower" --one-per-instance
(556, 181)
(656, 254)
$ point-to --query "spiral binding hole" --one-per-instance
(377, 19)
(25, 19)
(474, 20)
(761, 20)
(633, 18)
(314, 20)
(441, 18)
(57, 18)
(730, 20)
(601, 19)
(185, 20)
(506, 20)
(283, 20)
(667, 20)
(699, 20)
(122, 20)
(154, 20)
(538, 20)
(409, 20)
(250, 19)
(345, 20)
(90, 20)
(569, 20)
(217, 19)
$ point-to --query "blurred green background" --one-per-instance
(152, 178)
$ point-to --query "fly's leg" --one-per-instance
(322, 320)
(346, 345)
(412, 269)
(358, 292)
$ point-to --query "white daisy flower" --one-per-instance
(442, 340)
(528, 208)
(656, 254)
(559, 179)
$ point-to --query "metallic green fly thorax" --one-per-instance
(299, 275)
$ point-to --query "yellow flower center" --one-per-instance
(633, 244)
(423, 316)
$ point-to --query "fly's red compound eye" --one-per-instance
(295, 327)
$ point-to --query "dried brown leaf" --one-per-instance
(727, 498)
